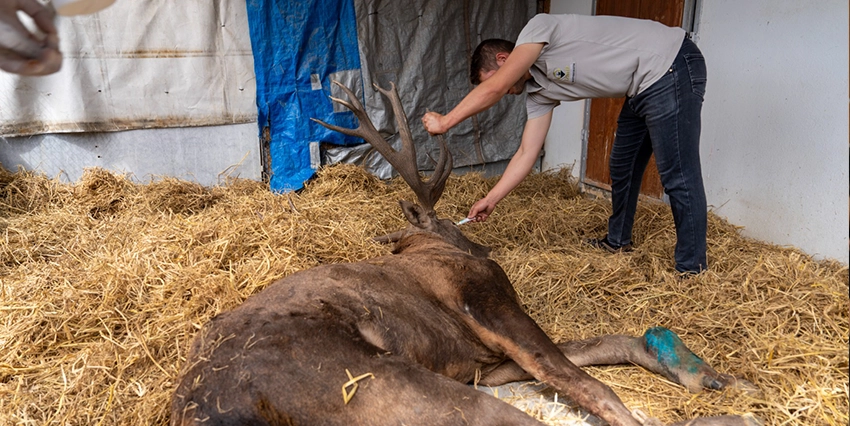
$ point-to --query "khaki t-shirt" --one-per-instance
(595, 57)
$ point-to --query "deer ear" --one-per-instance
(415, 214)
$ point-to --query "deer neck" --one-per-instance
(420, 241)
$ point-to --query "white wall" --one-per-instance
(563, 146)
(775, 120)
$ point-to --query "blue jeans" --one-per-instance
(664, 119)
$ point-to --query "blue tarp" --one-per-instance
(294, 41)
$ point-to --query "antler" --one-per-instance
(404, 161)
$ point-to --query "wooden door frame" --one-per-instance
(690, 23)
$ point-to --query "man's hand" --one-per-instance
(481, 210)
(433, 123)
(21, 51)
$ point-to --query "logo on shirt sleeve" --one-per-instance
(565, 74)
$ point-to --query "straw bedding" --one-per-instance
(104, 283)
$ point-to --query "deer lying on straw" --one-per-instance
(396, 339)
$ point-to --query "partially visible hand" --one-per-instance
(481, 210)
(21, 51)
(433, 123)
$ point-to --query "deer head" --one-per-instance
(421, 216)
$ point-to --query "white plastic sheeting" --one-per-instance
(206, 155)
(140, 64)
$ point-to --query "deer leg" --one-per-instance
(745, 420)
(502, 324)
(659, 350)
(506, 372)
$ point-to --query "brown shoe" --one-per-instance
(604, 244)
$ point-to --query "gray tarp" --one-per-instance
(423, 46)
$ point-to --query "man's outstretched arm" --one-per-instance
(519, 167)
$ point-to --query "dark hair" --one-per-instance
(484, 57)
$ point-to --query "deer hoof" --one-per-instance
(682, 366)
(726, 381)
